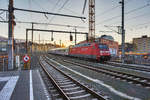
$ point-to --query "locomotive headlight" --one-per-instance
(101, 51)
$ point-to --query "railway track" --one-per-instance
(127, 66)
(139, 68)
(67, 87)
(133, 79)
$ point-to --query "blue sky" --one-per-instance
(134, 21)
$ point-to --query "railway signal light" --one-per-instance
(52, 39)
(71, 37)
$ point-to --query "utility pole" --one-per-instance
(11, 36)
(123, 33)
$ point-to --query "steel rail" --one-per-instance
(116, 74)
(55, 83)
(86, 88)
(129, 67)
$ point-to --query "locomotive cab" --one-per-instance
(104, 52)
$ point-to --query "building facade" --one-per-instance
(113, 46)
(129, 47)
(142, 44)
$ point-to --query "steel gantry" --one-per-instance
(53, 31)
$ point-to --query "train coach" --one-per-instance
(59, 51)
(94, 51)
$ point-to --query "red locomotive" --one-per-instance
(95, 51)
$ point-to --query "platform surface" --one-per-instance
(22, 85)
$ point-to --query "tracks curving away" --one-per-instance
(145, 82)
(67, 87)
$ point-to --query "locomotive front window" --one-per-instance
(103, 47)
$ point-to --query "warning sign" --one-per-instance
(26, 58)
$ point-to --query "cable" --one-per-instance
(65, 8)
(136, 9)
(53, 9)
(29, 4)
(142, 24)
(2, 18)
(55, 5)
(42, 12)
(37, 23)
(108, 10)
(111, 9)
(63, 5)
(59, 10)
(84, 6)
(145, 14)
(39, 5)
(2, 12)
(127, 1)
(106, 20)
(133, 18)
(137, 26)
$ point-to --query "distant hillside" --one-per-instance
(16, 40)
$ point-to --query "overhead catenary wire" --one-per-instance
(36, 2)
(53, 9)
(2, 12)
(61, 25)
(1, 18)
(141, 24)
(84, 6)
(55, 5)
(72, 11)
(63, 5)
(56, 13)
(127, 1)
(59, 9)
(133, 18)
(131, 11)
(107, 11)
(139, 8)
(39, 5)
(111, 9)
(42, 12)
